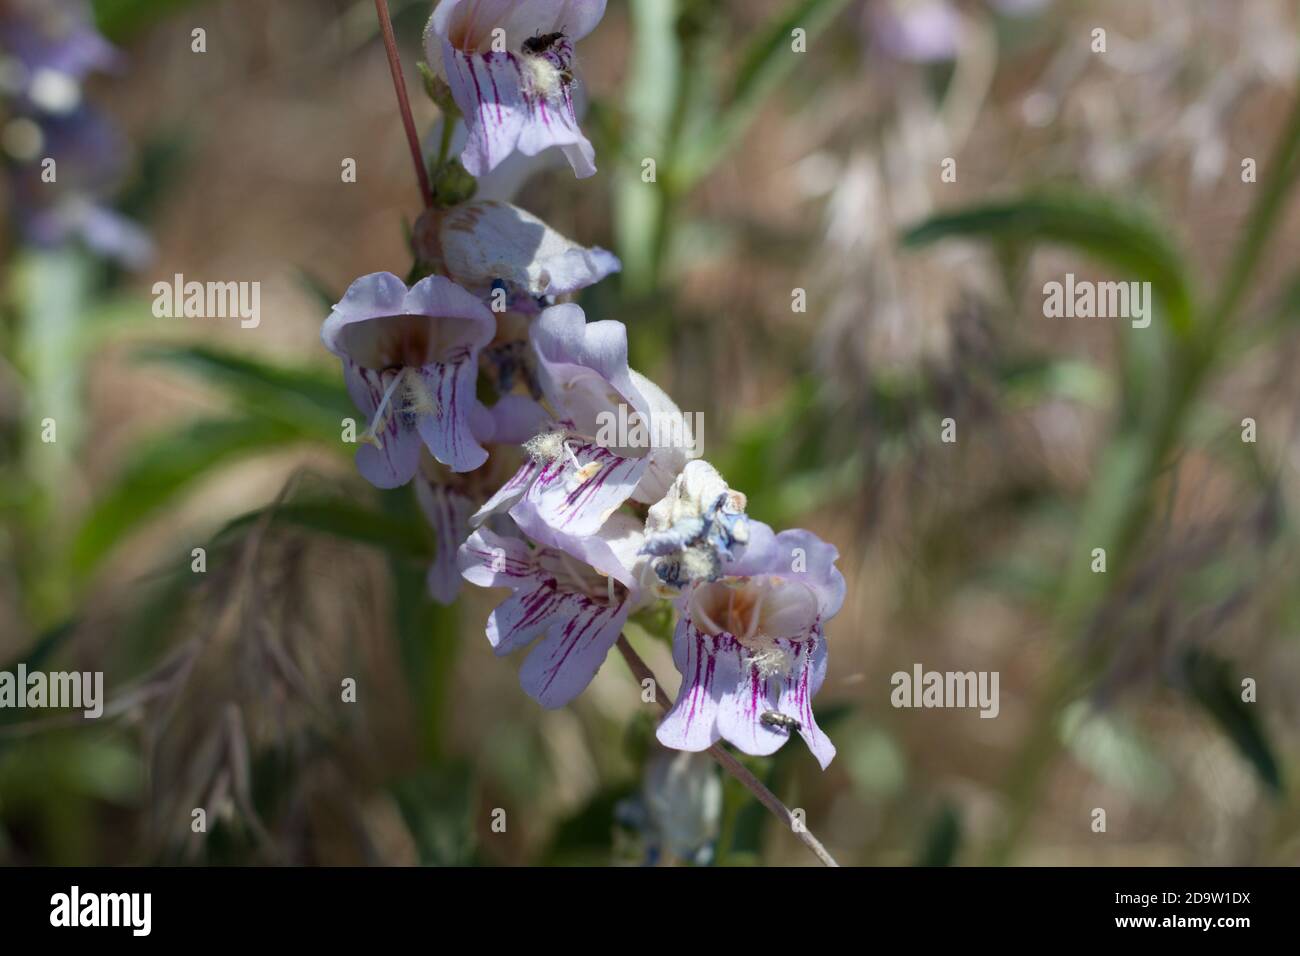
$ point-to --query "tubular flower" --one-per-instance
(490, 242)
(510, 67)
(751, 648)
(410, 359)
(577, 474)
(447, 509)
(576, 593)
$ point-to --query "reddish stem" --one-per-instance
(403, 104)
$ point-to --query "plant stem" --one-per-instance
(444, 142)
(403, 104)
(729, 763)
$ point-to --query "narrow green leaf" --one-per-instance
(312, 399)
(42, 650)
(586, 837)
(1120, 234)
(164, 467)
(942, 839)
(118, 19)
(437, 804)
(768, 61)
(346, 520)
(639, 206)
(1210, 682)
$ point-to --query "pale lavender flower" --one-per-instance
(574, 480)
(678, 810)
(917, 31)
(486, 242)
(447, 509)
(751, 648)
(574, 593)
(509, 64)
(410, 360)
(47, 49)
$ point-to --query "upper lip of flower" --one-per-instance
(468, 24)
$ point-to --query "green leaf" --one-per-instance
(1118, 233)
(437, 805)
(767, 61)
(311, 399)
(349, 521)
(163, 468)
(942, 839)
(118, 19)
(1116, 492)
(35, 658)
(640, 207)
(1210, 682)
(426, 632)
(586, 837)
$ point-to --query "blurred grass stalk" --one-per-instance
(1131, 465)
(674, 117)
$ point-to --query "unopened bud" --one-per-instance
(437, 90)
(452, 185)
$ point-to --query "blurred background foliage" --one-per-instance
(780, 174)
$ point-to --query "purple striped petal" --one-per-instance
(509, 493)
(724, 697)
(579, 629)
(447, 512)
(578, 498)
(506, 108)
(561, 666)
(430, 335)
(447, 432)
(394, 461)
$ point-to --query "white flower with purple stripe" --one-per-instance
(751, 648)
(509, 64)
(487, 242)
(447, 509)
(410, 359)
(573, 593)
(573, 482)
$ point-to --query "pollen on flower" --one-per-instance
(546, 448)
(698, 565)
(544, 78)
(771, 661)
(419, 398)
(407, 393)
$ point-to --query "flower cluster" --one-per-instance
(61, 158)
(488, 390)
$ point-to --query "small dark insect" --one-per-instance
(540, 44)
(774, 719)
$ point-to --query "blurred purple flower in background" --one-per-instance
(48, 48)
(928, 31)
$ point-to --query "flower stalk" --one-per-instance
(403, 103)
